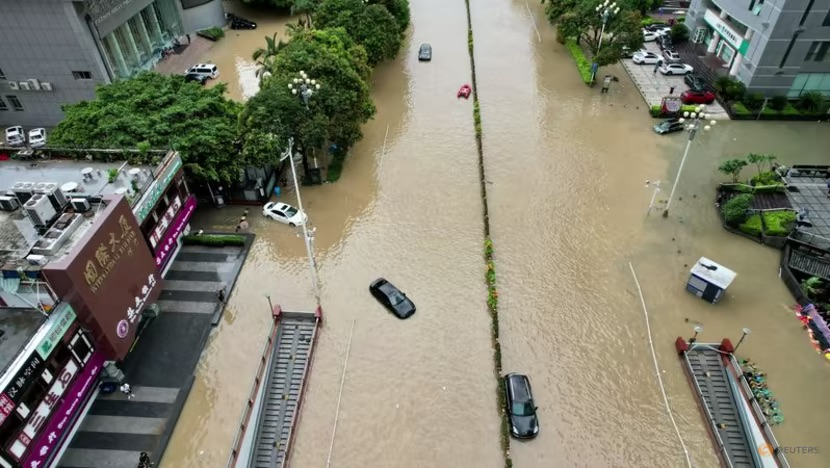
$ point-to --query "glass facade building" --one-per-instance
(135, 45)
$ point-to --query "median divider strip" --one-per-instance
(489, 251)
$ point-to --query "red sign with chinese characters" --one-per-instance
(6, 407)
(41, 414)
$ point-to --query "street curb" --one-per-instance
(219, 310)
(172, 421)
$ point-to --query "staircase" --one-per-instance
(708, 370)
(283, 387)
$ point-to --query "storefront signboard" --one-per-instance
(166, 220)
(168, 243)
(24, 378)
(120, 242)
(144, 207)
(6, 407)
(123, 327)
(40, 415)
(60, 322)
(72, 401)
(728, 34)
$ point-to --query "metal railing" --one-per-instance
(710, 419)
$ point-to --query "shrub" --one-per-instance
(774, 188)
(811, 101)
(729, 88)
(778, 103)
(733, 168)
(477, 118)
(213, 34)
(647, 21)
(112, 175)
(741, 188)
(679, 33)
(335, 167)
(734, 211)
(582, 62)
(752, 226)
(214, 240)
(779, 223)
(765, 178)
(657, 111)
(754, 101)
(682, 19)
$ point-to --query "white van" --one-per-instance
(15, 136)
(208, 69)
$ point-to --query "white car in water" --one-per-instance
(650, 36)
(37, 137)
(286, 214)
(645, 57)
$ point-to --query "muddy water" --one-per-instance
(566, 169)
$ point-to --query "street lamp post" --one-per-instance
(694, 120)
(304, 87)
(746, 331)
(308, 236)
(606, 11)
(656, 185)
(698, 329)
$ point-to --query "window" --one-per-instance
(16, 104)
(81, 347)
(3, 75)
(817, 51)
(82, 75)
(3, 105)
(826, 22)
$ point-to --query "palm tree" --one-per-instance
(304, 7)
(263, 56)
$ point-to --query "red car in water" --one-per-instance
(697, 97)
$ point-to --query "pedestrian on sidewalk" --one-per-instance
(127, 390)
(221, 295)
(671, 90)
(243, 223)
(144, 461)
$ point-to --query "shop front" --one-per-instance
(40, 405)
(165, 211)
(109, 279)
(723, 40)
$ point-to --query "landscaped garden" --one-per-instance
(810, 105)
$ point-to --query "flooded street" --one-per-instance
(565, 168)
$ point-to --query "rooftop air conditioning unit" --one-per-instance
(9, 203)
(39, 187)
(35, 84)
(24, 85)
(37, 259)
(81, 205)
(23, 191)
(40, 210)
(50, 189)
(13, 85)
(46, 86)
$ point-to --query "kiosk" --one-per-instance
(709, 280)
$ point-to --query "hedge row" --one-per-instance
(214, 240)
(582, 62)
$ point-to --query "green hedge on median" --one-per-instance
(214, 240)
(582, 62)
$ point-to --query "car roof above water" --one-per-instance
(518, 384)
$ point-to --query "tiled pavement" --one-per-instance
(812, 195)
(184, 58)
(160, 368)
(654, 86)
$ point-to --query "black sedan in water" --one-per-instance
(392, 298)
(669, 126)
(197, 77)
(425, 53)
(521, 410)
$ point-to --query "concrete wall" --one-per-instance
(45, 40)
(204, 16)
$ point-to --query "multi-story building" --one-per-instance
(775, 47)
(54, 52)
(81, 263)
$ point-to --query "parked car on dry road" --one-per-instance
(644, 57)
(697, 97)
(675, 69)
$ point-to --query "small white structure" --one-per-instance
(709, 280)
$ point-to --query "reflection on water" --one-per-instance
(565, 168)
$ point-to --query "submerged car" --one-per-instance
(425, 53)
(198, 78)
(284, 213)
(242, 23)
(521, 410)
(669, 126)
(695, 82)
(392, 298)
(37, 137)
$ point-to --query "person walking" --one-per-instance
(671, 90)
(657, 67)
(243, 224)
(144, 461)
(127, 390)
(221, 295)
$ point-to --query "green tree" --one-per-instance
(371, 26)
(399, 9)
(163, 111)
(264, 56)
(343, 103)
(733, 168)
(679, 33)
(581, 21)
(276, 3)
(305, 8)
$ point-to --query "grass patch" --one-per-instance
(212, 34)
(778, 223)
(582, 62)
(740, 108)
(214, 240)
(752, 226)
(657, 111)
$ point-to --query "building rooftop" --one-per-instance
(17, 327)
(807, 189)
(19, 237)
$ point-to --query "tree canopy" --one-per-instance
(370, 25)
(580, 20)
(164, 111)
(398, 8)
(276, 3)
(335, 112)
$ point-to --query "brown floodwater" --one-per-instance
(566, 169)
